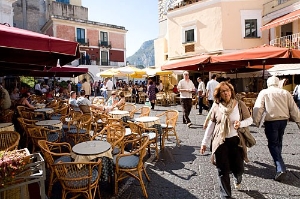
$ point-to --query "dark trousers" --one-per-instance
(229, 158)
(201, 105)
(210, 103)
(274, 131)
(186, 104)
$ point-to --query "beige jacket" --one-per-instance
(278, 104)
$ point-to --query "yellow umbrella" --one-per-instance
(108, 73)
(156, 71)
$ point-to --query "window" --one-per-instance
(104, 58)
(63, 1)
(251, 28)
(104, 38)
(80, 35)
(189, 36)
(282, 1)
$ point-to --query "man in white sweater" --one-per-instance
(279, 106)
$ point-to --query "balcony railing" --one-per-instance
(104, 44)
(289, 41)
(83, 41)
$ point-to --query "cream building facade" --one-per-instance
(6, 12)
(189, 28)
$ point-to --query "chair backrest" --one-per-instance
(115, 134)
(145, 111)
(9, 140)
(84, 109)
(130, 108)
(172, 117)
(78, 176)
(136, 146)
(136, 129)
(46, 151)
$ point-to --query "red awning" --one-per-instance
(182, 63)
(29, 49)
(282, 20)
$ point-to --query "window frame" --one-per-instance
(185, 30)
(78, 39)
(251, 22)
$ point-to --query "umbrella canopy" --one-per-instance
(26, 49)
(156, 71)
(108, 73)
(63, 71)
(60, 71)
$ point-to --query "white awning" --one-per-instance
(285, 69)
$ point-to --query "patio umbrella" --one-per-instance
(157, 71)
(26, 49)
(63, 71)
(108, 73)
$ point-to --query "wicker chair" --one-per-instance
(138, 130)
(82, 131)
(144, 111)
(37, 133)
(85, 109)
(130, 108)
(52, 153)
(9, 140)
(170, 118)
(79, 178)
(131, 164)
(23, 122)
(114, 134)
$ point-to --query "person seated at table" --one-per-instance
(135, 93)
(73, 101)
(23, 101)
(15, 95)
(50, 96)
(82, 100)
(119, 102)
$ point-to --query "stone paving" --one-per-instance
(182, 172)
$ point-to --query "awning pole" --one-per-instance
(263, 75)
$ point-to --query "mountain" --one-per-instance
(144, 56)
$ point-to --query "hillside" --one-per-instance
(144, 56)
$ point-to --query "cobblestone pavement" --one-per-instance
(182, 172)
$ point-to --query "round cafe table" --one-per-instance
(54, 123)
(118, 114)
(148, 121)
(7, 127)
(87, 151)
(45, 110)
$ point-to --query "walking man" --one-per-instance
(109, 87)
(210, 87)
(279, 106)
(201, 94)
(186, 87)
(86, 87)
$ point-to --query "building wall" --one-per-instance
(69, 10)
(116, 56)
(218, 24)
(93, 35)
(64, 32)
(29, 14)
(271, 6)
(6, 12)
(117, 40)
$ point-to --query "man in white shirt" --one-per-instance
(186, 87)
(73, 101)
(82, 100)
(201, 93)
(37, 89)
(210, 87)
(109, 87)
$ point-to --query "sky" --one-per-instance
(139, 17)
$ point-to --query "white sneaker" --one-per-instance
(189, 124)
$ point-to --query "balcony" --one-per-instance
(82, 41)
(182, 3)
(104, 44)
(290, 41)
